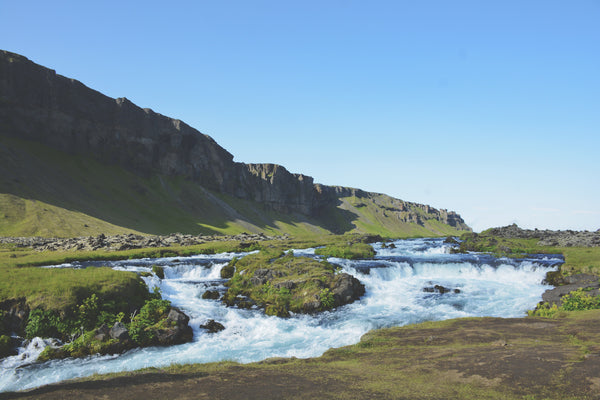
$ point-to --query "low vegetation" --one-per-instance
(349, 250)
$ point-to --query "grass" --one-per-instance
(349, 250)
(63, 289)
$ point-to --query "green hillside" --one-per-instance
(45, 192)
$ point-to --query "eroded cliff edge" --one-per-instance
(39, 105)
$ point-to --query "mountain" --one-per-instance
(76, 162)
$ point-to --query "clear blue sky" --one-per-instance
(489, 108)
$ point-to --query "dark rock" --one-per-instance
(211, 295)
(439, 289)
(13, 316)
(346, 289)
(285, 284)
(212, 326)
(102, 333)
(451, 240)
(177, 316)
(119, 331)
(178, 331)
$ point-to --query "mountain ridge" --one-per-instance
(39, 106)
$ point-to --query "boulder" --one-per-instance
(119, 331)
(102, 333)
(211, 295)
(212, 326)
(177, 316)
(346, 289)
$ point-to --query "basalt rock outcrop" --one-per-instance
(546, 237)
(36, 104)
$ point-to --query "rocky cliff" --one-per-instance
(36, 104)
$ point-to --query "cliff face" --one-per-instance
(37, 104)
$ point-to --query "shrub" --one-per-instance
(151, 314)
(327, 300)
(579, 300)
(47, 323)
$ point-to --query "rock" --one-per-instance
(14, 314)
(119, 331)
(346, 289)
(439, 289)
(212, 326)
(178, 316)
(573, 282)
(178, 332)
(264, 275)
(102, 333)
(285, 284)
(211, 295)
(227, 271)
(451, 240)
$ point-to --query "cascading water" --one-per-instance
(400, 289)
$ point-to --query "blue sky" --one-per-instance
(488, 108)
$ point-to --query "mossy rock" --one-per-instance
(281, 283)
(158, 271)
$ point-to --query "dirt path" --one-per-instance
(479, 358)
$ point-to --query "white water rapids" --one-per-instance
(394, 283)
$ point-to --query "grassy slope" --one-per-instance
(44, 192)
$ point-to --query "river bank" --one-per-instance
(474, 358)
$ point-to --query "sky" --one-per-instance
(487, 108)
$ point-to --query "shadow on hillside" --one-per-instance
(153, 204)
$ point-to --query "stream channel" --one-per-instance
(394, 280)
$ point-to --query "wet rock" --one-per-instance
(347, 289)
(439, 289)
(211, 295)
(212, 326)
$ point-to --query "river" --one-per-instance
(479, 285)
